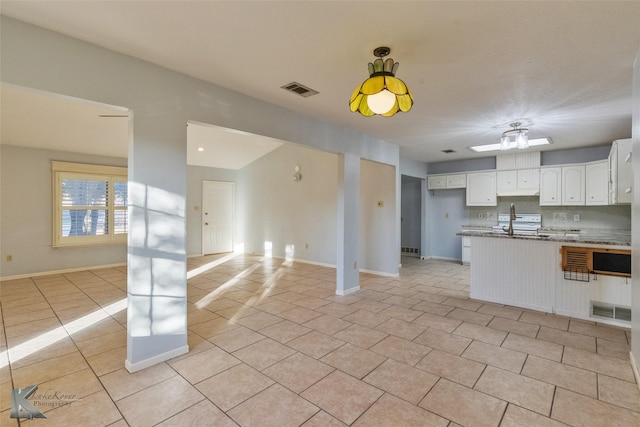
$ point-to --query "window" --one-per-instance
(89, 204)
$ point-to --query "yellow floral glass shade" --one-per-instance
(381, 78)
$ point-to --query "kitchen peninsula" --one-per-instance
(554, 272)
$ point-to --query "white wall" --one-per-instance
(272, 207)
(271, 203)
(448, 214)
(635, 238)
(195, 176)
(377, 251)
(26, 214)
(413, 168)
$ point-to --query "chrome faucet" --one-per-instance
(512, 217)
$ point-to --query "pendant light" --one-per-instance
(382, 93)
(515, 138)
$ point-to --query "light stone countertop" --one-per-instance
(589, 236)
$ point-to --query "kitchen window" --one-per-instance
(89, 204)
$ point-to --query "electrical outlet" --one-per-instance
(480, 215)
(576, 217)
(559, 216)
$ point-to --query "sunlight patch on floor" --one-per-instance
(40, 342)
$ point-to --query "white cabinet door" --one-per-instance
(457, 180)
(217, 216)
(466, 250)
(507, 181)
(436, 182)
(550, 186)
(439, 182)
(529, 178)
(597, 183)
(481, 189)
(573, 185)
(621, 173)
(518, 182)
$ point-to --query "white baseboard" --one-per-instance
(138, 366)
(444, 258)
(634, 368)
(66, 270)
(348, 291)
(511, 303)
(321, 264)
(379, 273)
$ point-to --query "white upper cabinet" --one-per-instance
(573, 185)
(521, 182)
(529, 179)
(621, 173)
(436, 182)
(457, 180)
(507, 181)
(597, 183)
(481, 189)
(439, 182)
(550, 186)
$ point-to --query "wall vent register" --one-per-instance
(610, 311)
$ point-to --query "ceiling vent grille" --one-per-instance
(299, 89)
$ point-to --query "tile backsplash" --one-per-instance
(614, 217)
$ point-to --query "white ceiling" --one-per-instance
(564, 68)
(32, 118)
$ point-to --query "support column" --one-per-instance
(348, 224)
(425, 250)
(156, 257)
(398, 205)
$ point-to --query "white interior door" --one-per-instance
(217, 216)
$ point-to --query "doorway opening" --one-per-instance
(411, 217)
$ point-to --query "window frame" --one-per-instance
(108, 174)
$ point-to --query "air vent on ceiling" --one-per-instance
(449, 151)
(301, 90)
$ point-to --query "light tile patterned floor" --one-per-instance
(272, 345)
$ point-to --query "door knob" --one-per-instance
(206, 223)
